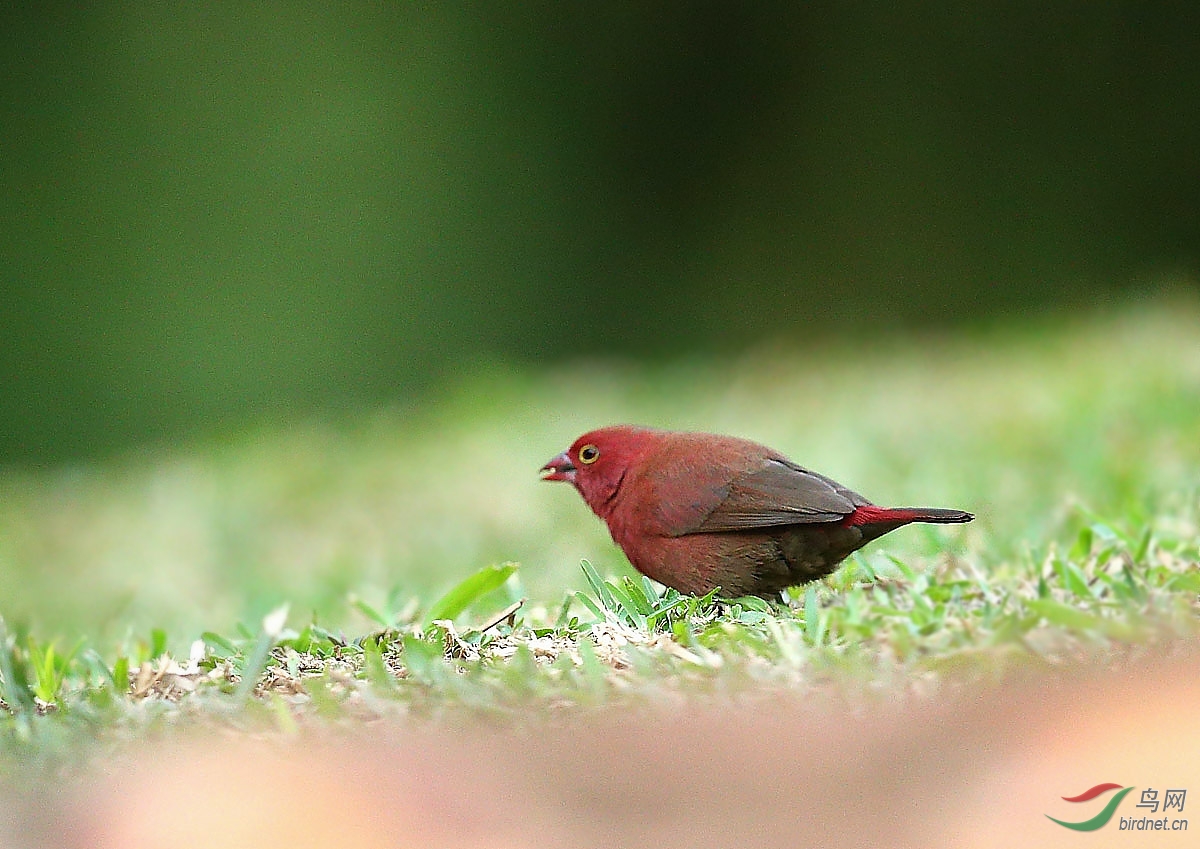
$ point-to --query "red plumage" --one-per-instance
(698, 510)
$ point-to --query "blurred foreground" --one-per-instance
(983, 768)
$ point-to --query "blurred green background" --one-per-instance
(295, 299)
(214, 214)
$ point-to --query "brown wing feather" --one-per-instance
(780, 493)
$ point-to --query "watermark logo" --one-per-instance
(1101, 819)
(1170, 800)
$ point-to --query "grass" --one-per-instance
(374, 555)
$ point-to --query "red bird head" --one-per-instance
(597, 461)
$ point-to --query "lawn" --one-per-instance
(408, 562)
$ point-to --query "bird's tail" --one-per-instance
(869, 514)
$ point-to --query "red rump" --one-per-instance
(870, 514)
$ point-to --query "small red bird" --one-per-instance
(698, 510)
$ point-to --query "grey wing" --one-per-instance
(780, 493)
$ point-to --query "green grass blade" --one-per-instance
(587, 602)
(599, 585)
(626, 609)
(469, 591)
(256, 664)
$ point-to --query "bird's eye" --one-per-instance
(589, 454)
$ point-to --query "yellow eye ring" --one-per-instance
(589, 454)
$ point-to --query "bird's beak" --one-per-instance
(559, 469)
